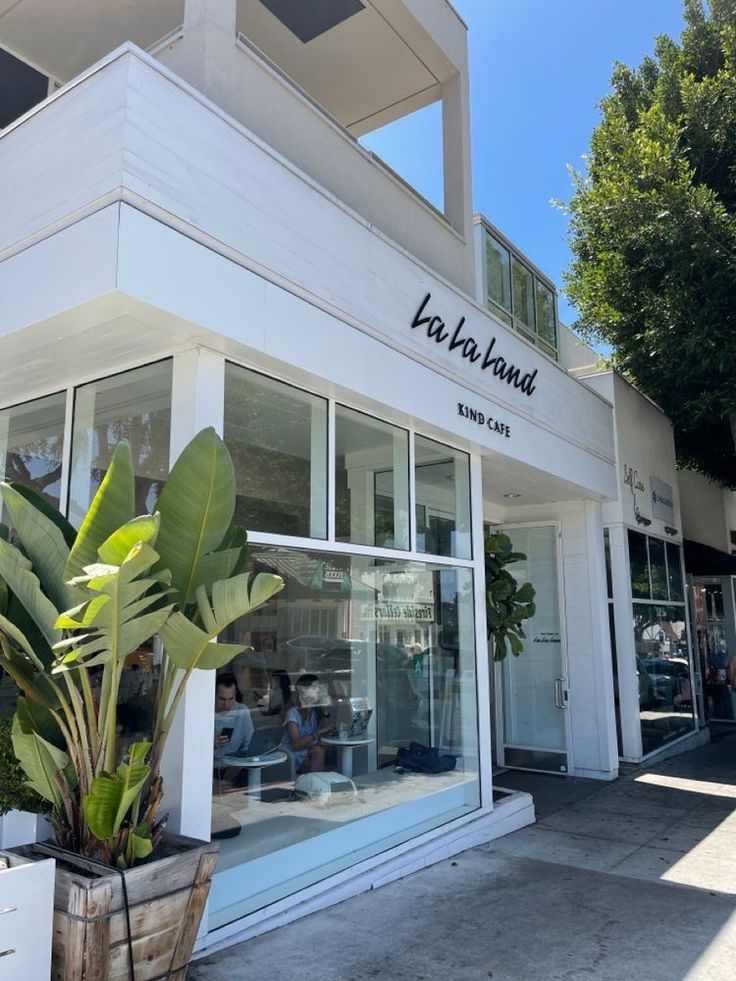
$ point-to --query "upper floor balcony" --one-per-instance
(307, 77)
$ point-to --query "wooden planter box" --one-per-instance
(95, 928)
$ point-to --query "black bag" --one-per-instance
(424, 759)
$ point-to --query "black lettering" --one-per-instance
(500, 366)
(487, 359)
(416, 322)
(436, 331)
(470, 350)
(481, 419)
(512, 376)
(455, 342)
(527, 383)
(473, 415)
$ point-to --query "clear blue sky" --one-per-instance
(538, 69)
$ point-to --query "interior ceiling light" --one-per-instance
(512, 496)
(310, 18)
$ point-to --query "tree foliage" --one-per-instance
(653, 233)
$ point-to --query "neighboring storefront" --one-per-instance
(655, 682)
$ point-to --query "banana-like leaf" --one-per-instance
(40, 761)
(43, 543)
(39, 502)
(189, 646)
(196, 506)
(16, 570)
(115, 619)
(33, 717)
(112, 507)
(143, 529)
(34, 683)
(110, 799)
(139, 843)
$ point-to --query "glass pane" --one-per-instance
(639, 565)
(277, 436)
(442, 488)
(21, 88)
(531, 717)
(546, 314)
(380, 652)
(674, 572)
(31, 442)
(523, 294)
(607, 550)
(658, 569)
(498, 278)
(665, 690)
(371, 481)
(717, 665)
(136, 406)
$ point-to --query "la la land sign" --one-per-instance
(465, 346)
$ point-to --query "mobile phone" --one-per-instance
(228, 731)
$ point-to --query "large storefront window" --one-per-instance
(277, 437)
(135, 405)
(371, 481)
(31, 444)
(442, 482)
(374, 653)
(717, 666)
(666, 702)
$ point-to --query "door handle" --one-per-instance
(562, 696)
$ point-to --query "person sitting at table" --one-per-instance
(233, 724)
(305, 723)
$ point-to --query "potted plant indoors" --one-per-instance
(507, 603)
(22, 810)
(73, 607)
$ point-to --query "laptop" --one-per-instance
(359, 723)
(264, 740)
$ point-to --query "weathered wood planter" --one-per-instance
(153, 910)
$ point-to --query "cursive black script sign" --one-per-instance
(466, 347)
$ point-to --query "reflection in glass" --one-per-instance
(371, 481)
(546, 314)
(665, 689)
(658, 569)
(442, 482)
(391, 646)
(523, 283)
(135, 405)
(277, 437)
(498, 278)
(31, 440)
(639, 565)
(674, 571)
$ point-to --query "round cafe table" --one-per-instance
(345, 749)
(254, 765)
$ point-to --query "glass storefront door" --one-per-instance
(534, 693)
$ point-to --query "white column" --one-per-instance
(197, 401)
(628, 680)
(601, 634)
(456, 153)
(485, 715)
(401, 489)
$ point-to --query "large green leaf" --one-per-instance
(44, 545)
(39, 502)
(119, 617)
(113, 506)
(118, 545)
(16, 570)
(196, 505)
(41, 761)
(189, 646)
(23, 668)
(112, 796)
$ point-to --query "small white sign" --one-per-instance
(663, 502)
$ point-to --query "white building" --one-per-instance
(192, 235)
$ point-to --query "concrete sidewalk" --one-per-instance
(630, 880)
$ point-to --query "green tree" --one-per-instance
(653, 233)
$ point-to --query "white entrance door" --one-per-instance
(533, 690)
